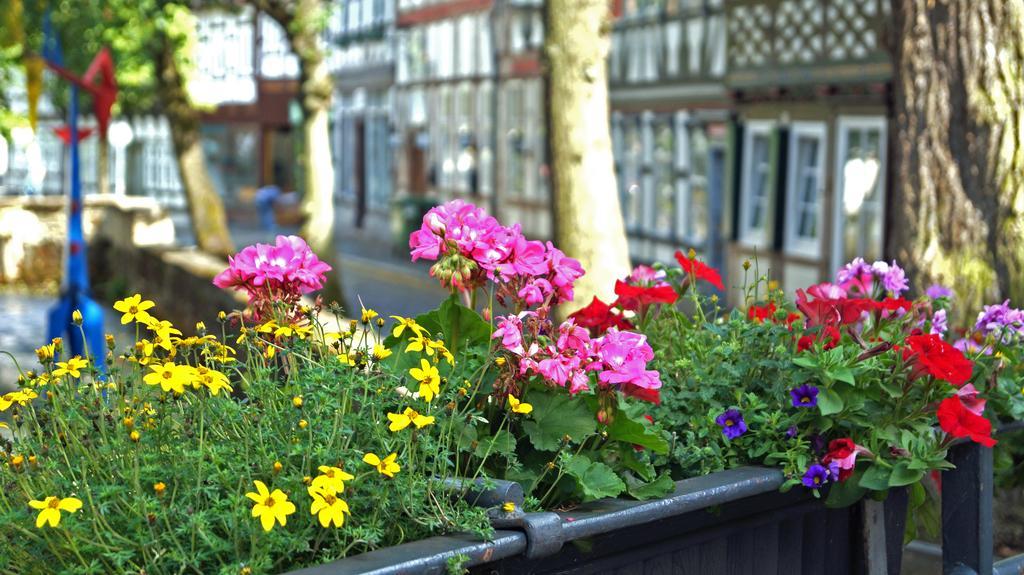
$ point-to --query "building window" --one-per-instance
(805, 181)
(632, 168)
(664, 192)
(859, 209)
(756, 183)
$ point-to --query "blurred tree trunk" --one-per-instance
(588, 219)
(958, 190)
(209, 222)
(102, 164)
(303, 21)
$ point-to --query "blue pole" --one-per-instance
(74, 293)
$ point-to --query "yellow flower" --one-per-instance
(270, 507)
(134, 308)
(159, 488)
(400, 421)
(402, 323)
(420, 343)
(347, 359)
(214, 380)
(303, 424)
(297, 401)
(380, 352)
(45, 353)
(51, 507)
(21, 397)
(429, 379)
(70, 367)
(284, 331)
(163, 330)
(76, 317)
(278, 467)
(439, 346)
(267, 327)
(331, 337)
(508, 507)
(332, 479)
(368, 314)
(386, 466)
(135, 436)
(519, 406)
(169, 376)
(328, 508)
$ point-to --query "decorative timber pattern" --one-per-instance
(806, 41)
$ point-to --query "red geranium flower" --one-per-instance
(642, 393)
(829, 335)
(958, 421)
(699, 270)
(934, 356)
(761, 313)
(598, 317)
(634, 297)
(893, 304)
(843, 452)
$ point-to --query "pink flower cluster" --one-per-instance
(566, 359)
(472, 247)
(283, 271)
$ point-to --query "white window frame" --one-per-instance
(843, 125)
(754, 237)
(794, 243)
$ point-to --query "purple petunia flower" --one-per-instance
(804, 396)
(894, 279)
(791, 432)
(816, 476)
(732, 423)
(935, 291)
(1002, 320)
(939, 325)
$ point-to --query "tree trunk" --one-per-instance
(957, 212)
(102, 164)
(209, 222)
(588, 219)
(302, 21)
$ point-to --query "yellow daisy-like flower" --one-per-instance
(347, 359)
(439, 346)
(213, 380)
(380, 352)
(169, 376)
(21, 397)
(400, 421)
(328, 508)
(134, 308)
(420, 343)
(270, 507)
(403, 323)
(269, 327)
(70, 367)
(429, 379)
(518, 406)
(163, 330)
(386, 466)
(45, 353)
(332, 479)
(368, 314)
(508, 507)
(50, 508)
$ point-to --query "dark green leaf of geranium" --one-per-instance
(596, 480)
(625, 428)
(660, 487)
(555, 415)
(846, 493)
(502, 443)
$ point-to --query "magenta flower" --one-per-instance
(894, 280)
(969, 398)
(936, 291)
(939, 325)
(510, 330)
(280, 272)
(625, 355)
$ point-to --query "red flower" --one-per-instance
(834, 312)
(633, 297)
(937, 358)
(641, 393)
(759, 313)
(829, 335)
(843, 452)
(598, 317)
(791, 319)
(699, 270)
(893, 304)
(958, 421)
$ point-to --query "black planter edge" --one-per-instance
(545, 533)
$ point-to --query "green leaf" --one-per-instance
(502, 443)
(807, 361)
(629, 430)
(876, 477)
(660, 487)
(555, 415)
(829, 402)
(846, 493)
(596, 480)
(843, 374)
(459, 326)
(903, 475)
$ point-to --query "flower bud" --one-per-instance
(17, 461)
(746, 265)
(221, 316)
(76, 317)
(159, 488)
(200, 328)
(278, 467)
(128, 422)
(303, 424)
(692, 254)
(110, 341)
(135, 436)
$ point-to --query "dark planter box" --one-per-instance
(732, 522)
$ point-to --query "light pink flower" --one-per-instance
(969, 398)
